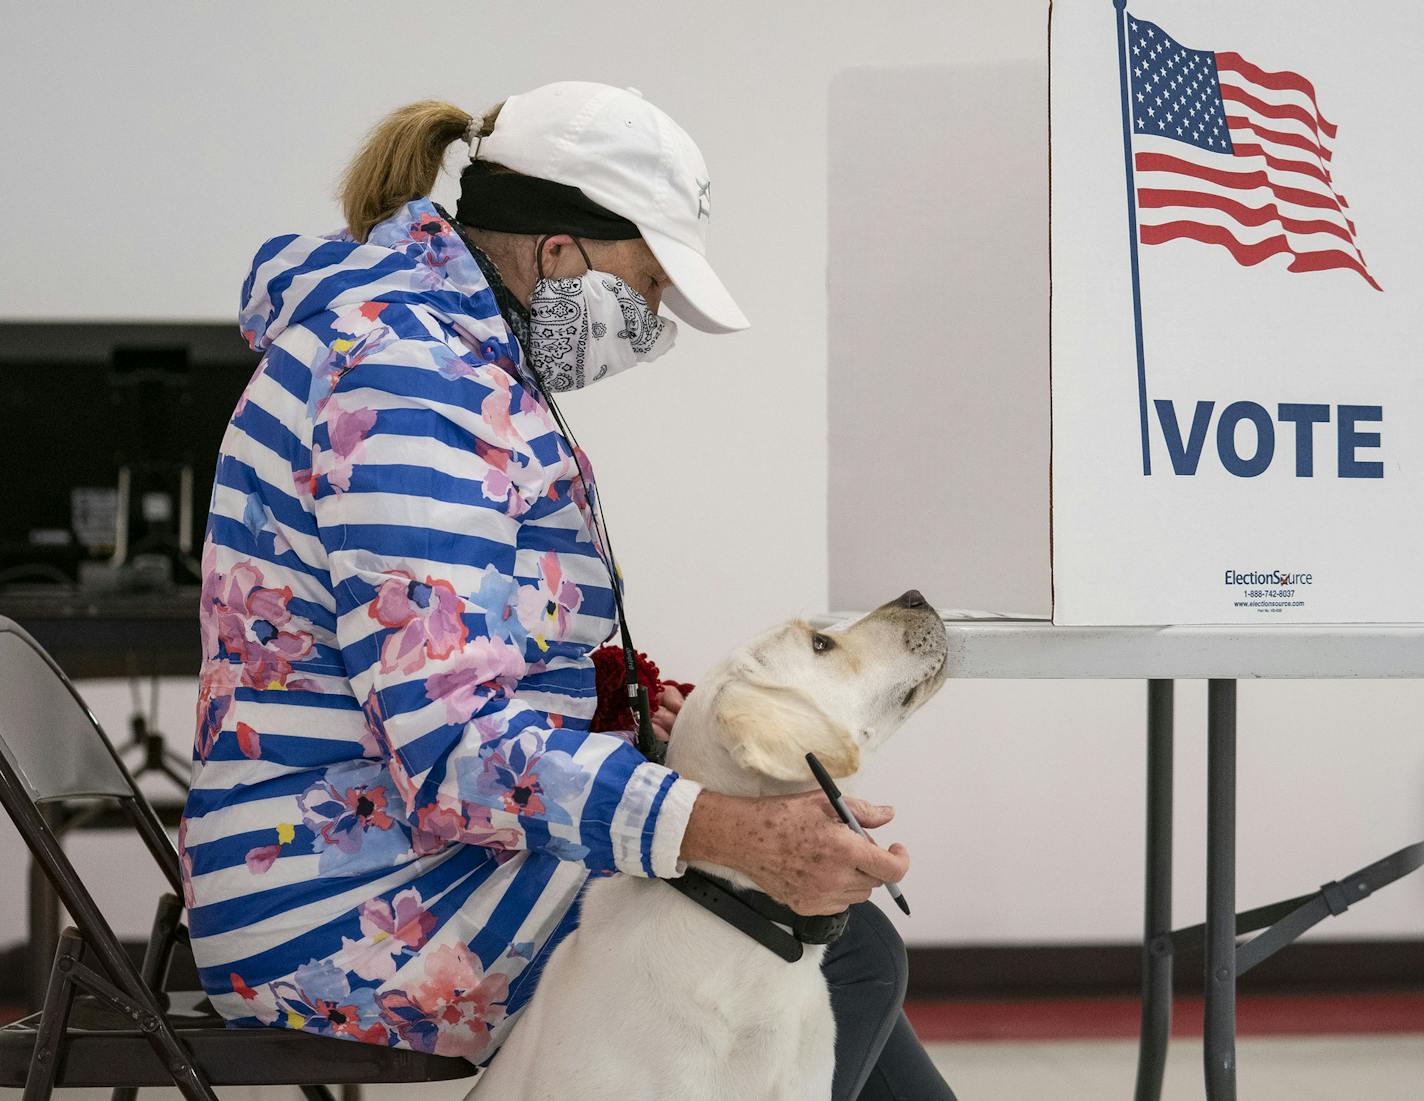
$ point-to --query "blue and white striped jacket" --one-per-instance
(396, 797)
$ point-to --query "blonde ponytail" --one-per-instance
(401, 159)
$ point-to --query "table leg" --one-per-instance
(1157, 923)
(1219, 1041)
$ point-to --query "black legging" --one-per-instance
(878, 1055)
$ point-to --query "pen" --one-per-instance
(833, 793)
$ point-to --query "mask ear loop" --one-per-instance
(539, 254)
(648, 743)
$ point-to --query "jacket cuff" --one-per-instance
(670, 826)
(651, 818)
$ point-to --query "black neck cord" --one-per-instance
(650, 746)
(638, 703)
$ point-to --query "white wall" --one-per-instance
(1022, 805)
(151, 148)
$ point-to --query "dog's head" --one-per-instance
(838, 692)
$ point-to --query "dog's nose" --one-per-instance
(911, 598)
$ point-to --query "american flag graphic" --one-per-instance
(1227, 153)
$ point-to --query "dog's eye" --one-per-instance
(820, 643)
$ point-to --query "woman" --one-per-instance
(397, 796)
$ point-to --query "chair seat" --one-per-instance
(103, 1048)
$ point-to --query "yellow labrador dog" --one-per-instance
(653, 998)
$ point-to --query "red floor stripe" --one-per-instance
(1119, 1018)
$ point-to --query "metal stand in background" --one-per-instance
(146, 741)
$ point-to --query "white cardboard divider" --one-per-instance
(1237, 343)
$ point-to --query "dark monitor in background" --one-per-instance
(109, 435)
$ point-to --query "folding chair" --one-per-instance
(106, 1021)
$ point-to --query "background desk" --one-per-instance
(1024, 648)
(111, 634)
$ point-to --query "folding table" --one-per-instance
(1012, 648)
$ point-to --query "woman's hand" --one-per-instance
(669, 704)
(795, 847)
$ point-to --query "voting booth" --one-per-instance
(1153, 329)
(1238, 405)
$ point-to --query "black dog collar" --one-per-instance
(756, 914)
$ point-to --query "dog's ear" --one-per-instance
(771, 727)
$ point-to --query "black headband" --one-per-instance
(491, 198)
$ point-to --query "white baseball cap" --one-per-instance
(628, 156)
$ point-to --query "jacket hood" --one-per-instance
(413, 257)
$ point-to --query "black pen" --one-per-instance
(833, 793)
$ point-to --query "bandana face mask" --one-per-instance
(591, 327)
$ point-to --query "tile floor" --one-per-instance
(1310, 1068)
(1365, 1047)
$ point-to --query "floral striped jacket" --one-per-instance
(396, 796)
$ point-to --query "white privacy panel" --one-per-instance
(937, 322)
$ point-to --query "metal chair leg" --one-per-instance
(1219, 1038)
(72, 974)
(59, 999)
(1157, 924)
(154, 971)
